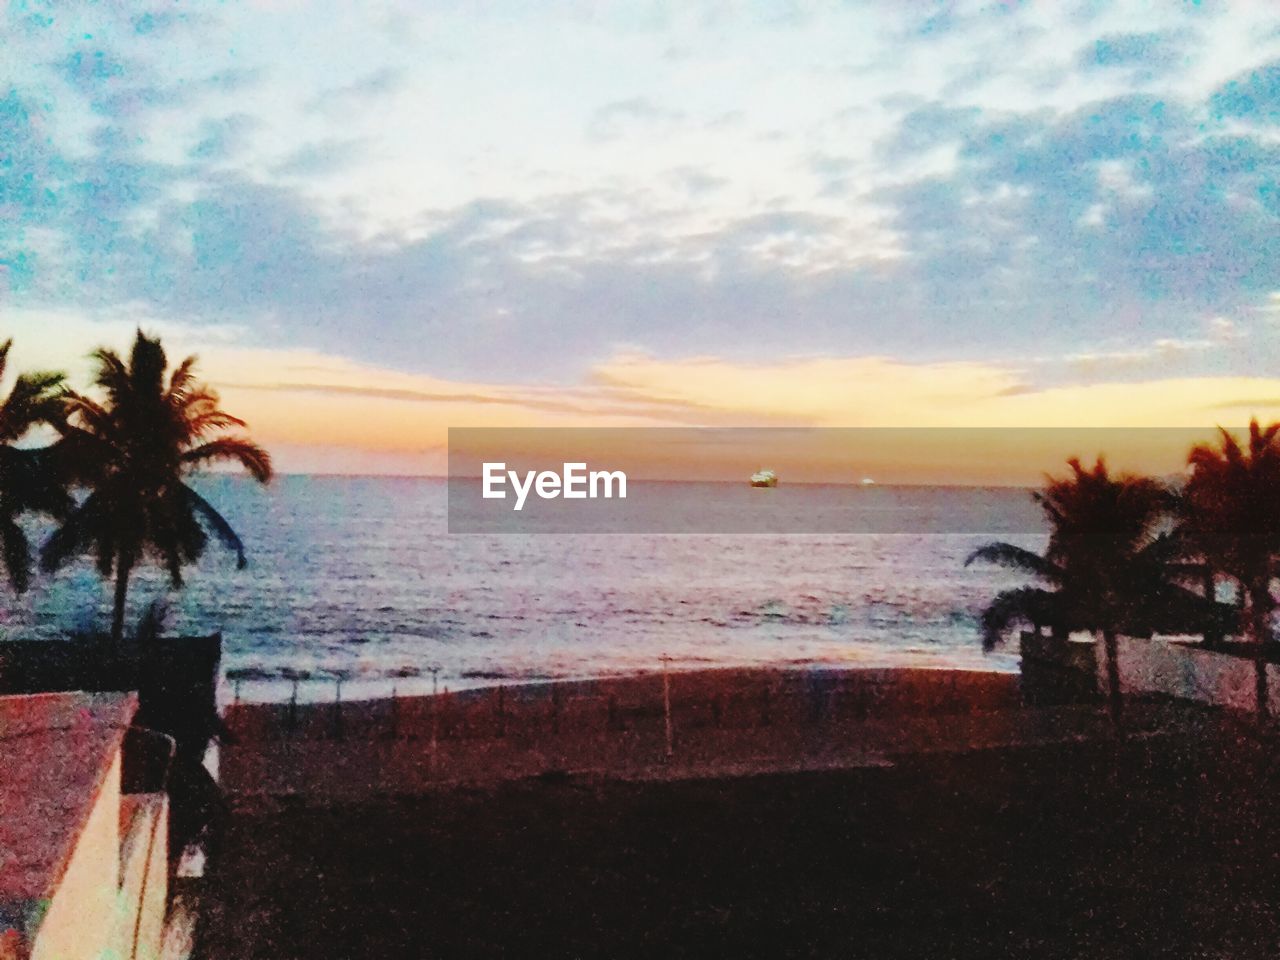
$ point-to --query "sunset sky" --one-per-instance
(374, 221)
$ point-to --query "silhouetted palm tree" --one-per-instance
(28, 478)
(1109, 567)
(1232, 517)
(1105, 556)
(132, 451)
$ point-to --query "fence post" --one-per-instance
(666, 707)
(293, 707)
(337, 710)
(435, 717)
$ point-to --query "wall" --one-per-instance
(81, 918)
(144, 894)
(1189, 673)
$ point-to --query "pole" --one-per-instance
(337, 709)
(435, 715)
(666, 706)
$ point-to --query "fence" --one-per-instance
(719, 699)
(714, 719)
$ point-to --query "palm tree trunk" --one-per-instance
(123, 569)
(1259, 612)
(1114, 700)
(1212, 635)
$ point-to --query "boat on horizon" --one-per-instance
(764, 478)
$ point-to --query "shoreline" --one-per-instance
(719, 723)
(318, 689)
(638, 687)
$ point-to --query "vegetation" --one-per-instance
(114, 479)
(1121, 554)
(1232, 520)
(1123, 548)
(1232, 517)
(28, 479)
(1113, 562)
(132, 451)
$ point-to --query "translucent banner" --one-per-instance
(781, 480)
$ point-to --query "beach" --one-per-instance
(925, 814)
(721, 722)
(1061, 840)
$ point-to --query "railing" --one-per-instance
(686, 724)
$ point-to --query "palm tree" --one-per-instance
(1232, 517)
(132, 451)
(1109, 568)
(28, 478)
(1104, 556)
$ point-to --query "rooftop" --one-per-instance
(55, 751)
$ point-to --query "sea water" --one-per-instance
(357, 578)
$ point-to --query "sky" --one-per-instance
(374, 221)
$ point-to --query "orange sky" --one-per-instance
(323, 413)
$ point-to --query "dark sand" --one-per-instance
(1160, 845)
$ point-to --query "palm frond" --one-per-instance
(93, 416)
(80, 530)
(203, 424)
(217, 523)
(30, 480)
(182, 380)
(147, 363)
(78, 457)
(251, 456)
(111, 374)
(17, 554)
(1016, 558)
(1030, 605)
(33, 400)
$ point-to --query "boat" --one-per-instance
(764, 478)
(868, 482)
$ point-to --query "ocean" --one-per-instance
(358, 578)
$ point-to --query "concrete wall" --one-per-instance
(1188, 672)
(81, 918)
(144, 879)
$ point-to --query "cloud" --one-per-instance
(631, 117)
(1151, 52)
(888, 392)
(1225, 330)
(222, 139)
(327, 156)
(320, 410)
(88, 69)
(336, 101)
(1253, 95)
(912, 213)
(232, 79)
